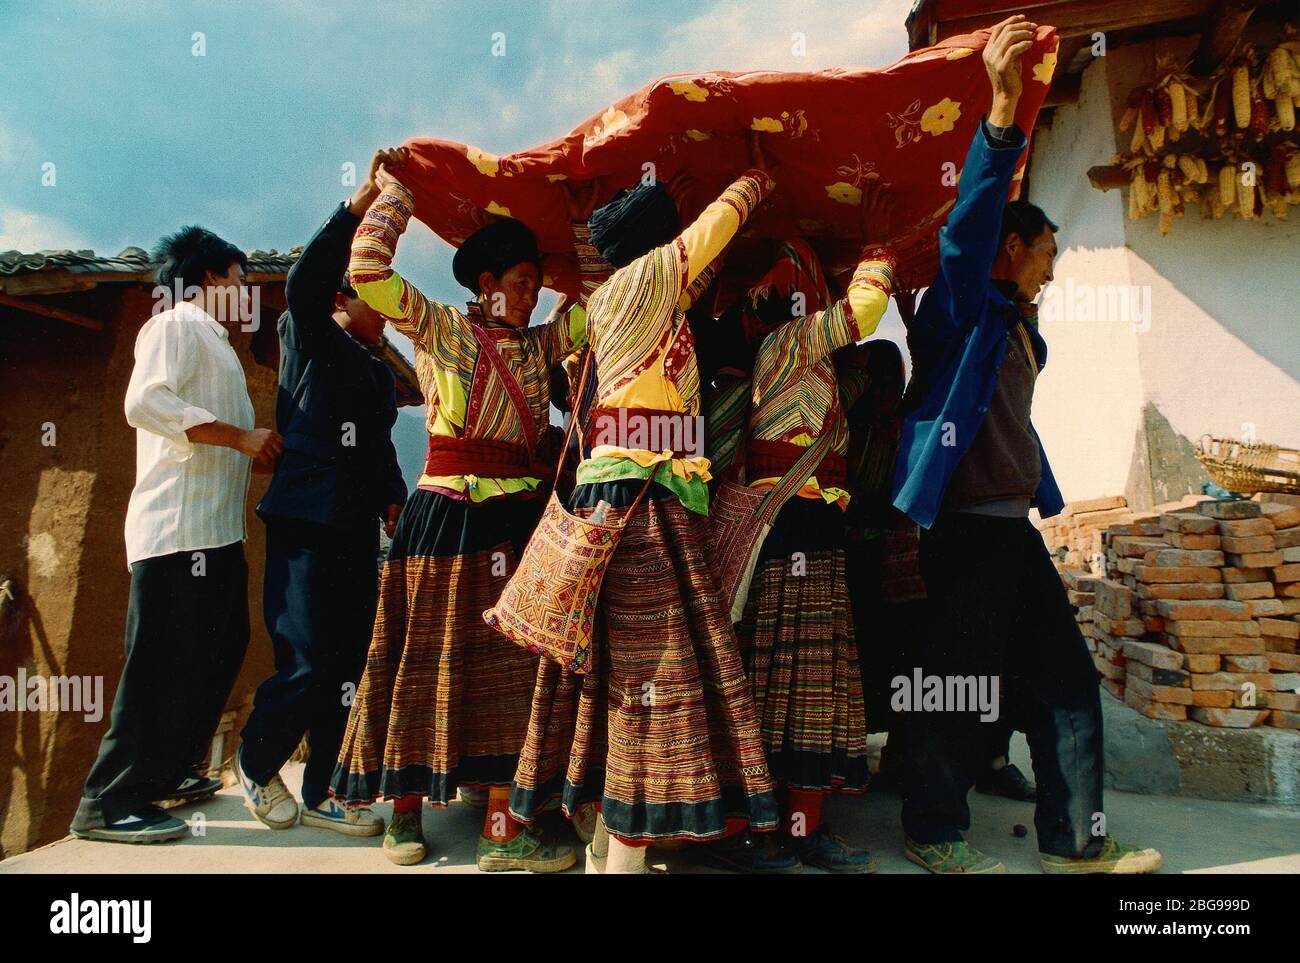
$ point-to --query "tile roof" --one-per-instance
(132, 262)
(133, 265)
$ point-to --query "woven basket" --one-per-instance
(1250, 467)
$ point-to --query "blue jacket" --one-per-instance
(336, 403)
(959, 340)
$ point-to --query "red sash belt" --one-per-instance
(772, 459)
(483, 457)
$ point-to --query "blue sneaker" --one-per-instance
(271, 804)
(348, 820)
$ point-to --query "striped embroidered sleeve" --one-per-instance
(371, 271)
(869, 292)
(712, 231)
(800, 343)
(593, 270)
(700, 285)
(564, 334)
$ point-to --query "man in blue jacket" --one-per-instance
(969, 468)
(338, 479)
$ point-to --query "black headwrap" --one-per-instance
(635, 221)
(496, 247)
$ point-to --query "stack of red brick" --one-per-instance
(1199, 615)
(1075, 536)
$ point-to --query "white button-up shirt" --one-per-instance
(187, 496)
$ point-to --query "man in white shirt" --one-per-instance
(187, 619)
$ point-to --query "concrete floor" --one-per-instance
(1195, 835)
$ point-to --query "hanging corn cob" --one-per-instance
(1235, 116)
(1241, 95)
(1227, 185)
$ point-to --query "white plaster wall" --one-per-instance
(1222, 351)
(1088, 400)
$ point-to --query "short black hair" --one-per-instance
(1025, 219)
(190, 253)
(346, 289)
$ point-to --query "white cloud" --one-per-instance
(834, 34)
(728, 35)
(28, 232)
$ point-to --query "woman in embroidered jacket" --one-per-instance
(666, 737)
(797, 631)
(444, 701)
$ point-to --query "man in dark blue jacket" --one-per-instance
(338, 479)
(969, 468)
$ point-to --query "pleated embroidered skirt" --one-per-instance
(662, 730)
(444, 701)
(801, 654)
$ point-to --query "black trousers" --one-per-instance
(186, 635)
(997, 607)
(319, 600)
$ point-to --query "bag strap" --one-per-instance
(511, 385)
(568, 435)
(1027, 342)
(802, 470)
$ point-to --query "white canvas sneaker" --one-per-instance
(271, 804)
(349, 820)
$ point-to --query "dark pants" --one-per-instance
(319, 600)
(186, 635)
(997, 607)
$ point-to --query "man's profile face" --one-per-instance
(1031, 264)
(228, 295)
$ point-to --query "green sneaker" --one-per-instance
(943, 859)
(404, 840)
(526, 851)
(1115, 857)
(827, 851)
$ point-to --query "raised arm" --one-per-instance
(968, 243)
(712, 231)
(808, 339)
(804, 341)
(315, 278)
(371, 267)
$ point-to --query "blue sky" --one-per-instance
(250, 138)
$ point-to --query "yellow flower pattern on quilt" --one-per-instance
(941, 117)
(844, 193)
(1045, 68)
(766, 124)
(487, 163)
(610, 121)
(689, 89)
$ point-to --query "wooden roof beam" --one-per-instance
(1106, 177)
(1073, 18)
(46, 311)
(1223, 27)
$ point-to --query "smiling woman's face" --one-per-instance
(510, 299)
